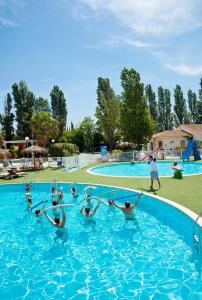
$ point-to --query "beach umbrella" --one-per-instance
(33, 150)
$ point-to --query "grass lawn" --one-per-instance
(187, 191)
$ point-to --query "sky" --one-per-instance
(70, 43)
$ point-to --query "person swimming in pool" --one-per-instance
(86, 212)
(55, 210)
(74, 192)
(110, 202)
(54, 187)
(57, 222)
(60, 195)
(39, 212)
(29, 201)
(128, 209)
(28, 188)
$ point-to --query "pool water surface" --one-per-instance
(142, 169)
(150, 257)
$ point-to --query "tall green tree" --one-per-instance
(59, 108)
(24, 102)
(7, 119)
(44, 127)
(180, 108)
(161, 110)
(108, 112)
(136, 121)
(87, 128)
(199, 105)
(151, 98)
(169, 120)
(72, 126)
(104, 90)
(193, 106)
(41, 104)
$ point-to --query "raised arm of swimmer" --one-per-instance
(137, 201)
(118, 206)
(57, 222)
(87, 212)
(95, 209)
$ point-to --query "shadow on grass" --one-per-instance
(152, 191)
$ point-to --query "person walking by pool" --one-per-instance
(153, 171)
(86, 212)
(128, 209)
(57, 222)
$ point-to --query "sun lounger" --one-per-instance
(12, 173)
(55, 165)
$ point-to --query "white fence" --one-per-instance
(80, 161)
(83, 160)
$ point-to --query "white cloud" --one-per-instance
(185, 70)
(117, 41)
(7, 23)
(154, 17)
(8, 8)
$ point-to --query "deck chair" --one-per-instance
(12, 173)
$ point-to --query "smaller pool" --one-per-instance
(143, 170)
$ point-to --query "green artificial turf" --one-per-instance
(187, 191)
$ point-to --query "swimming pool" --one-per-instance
(142, 169)
(151, 257)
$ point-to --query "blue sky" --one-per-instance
(72, 42)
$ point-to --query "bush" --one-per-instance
(62, 149)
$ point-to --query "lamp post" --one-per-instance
(26, 143)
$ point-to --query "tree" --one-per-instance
(87, 128)
(2, 138)
(193, 106)
(180, 108)
(24, 102)
(7, 119)
(136, 122)
(151, 98)
(161, 110)
(199, 104)
(72, 126)
(44, 127)
(168, 108)
(78, 138)
(59, 108)
(41, 104)
(107, 112)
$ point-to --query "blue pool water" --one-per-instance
(151, 257)
(142, 169)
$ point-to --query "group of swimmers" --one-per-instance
(87, 209)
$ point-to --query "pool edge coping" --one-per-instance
(180, 207)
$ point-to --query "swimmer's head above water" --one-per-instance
(87, 210)
(127, 204)
(110, 202)
(37, 212)
(57, 220)
(54, 203)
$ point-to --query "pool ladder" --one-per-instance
(197, 235)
